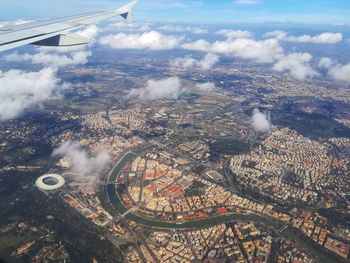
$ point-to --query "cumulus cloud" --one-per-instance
(324, 38)
(58, 50)
(263, 51)
(152, 40)
(206, 87)
(185, 62)
(199, 45)
(325, 63)
(88, 166)
(178, 28)
(335, 70)
(280, 35)
(261, 122)
(206, 63)
(21, 90)
(90, 33)
(168, 88)
(296, 64)
(241, 44)
(234, 33)
(52, 59)
(340, 72)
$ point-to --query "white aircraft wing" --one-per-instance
(56, 32)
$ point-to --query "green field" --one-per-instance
(11, 240)
(229, 146)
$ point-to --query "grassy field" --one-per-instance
(230, 146)
(311, 125)
(11, 240)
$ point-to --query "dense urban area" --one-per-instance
(185, 179)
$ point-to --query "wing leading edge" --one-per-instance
(56, 32)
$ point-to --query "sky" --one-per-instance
(315, 51)
(197, 11)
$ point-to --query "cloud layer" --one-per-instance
(261, 122)
(123, 26)
(206, 87)
(340, 72)
(152, 40)
(88, 166)
(188, 62)
(297, 65)
(168, 88)
(21, 90)
(178, 28)
(49, 58)
(14, 23)
(234, 33)
(335, 70)
(323, 38)
(263, 51)
(241, 44)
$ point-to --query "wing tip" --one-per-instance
(126, 10)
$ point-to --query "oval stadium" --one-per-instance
(50, 182)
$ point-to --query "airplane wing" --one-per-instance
(56, 32)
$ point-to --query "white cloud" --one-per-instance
(340, 72)
(280, 35)
(336, 71)
(206, 87)
(261, 122)
(208, 61)
(20, 90)
(88, 166)
(240, 44)
(324, 38)
(325, 63)
(52, 59)
(14, 23)
(178, 28)
(185, 62)
(199, 45)
(188, 62)
(149, 40)
(199, 30)
(264, 51)
(44, 49)
(234, 33)
(168, 88)
(297, 64)
(90, 33)
(124, 26)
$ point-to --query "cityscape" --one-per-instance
(166, 154)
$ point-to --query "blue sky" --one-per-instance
(198, 11)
